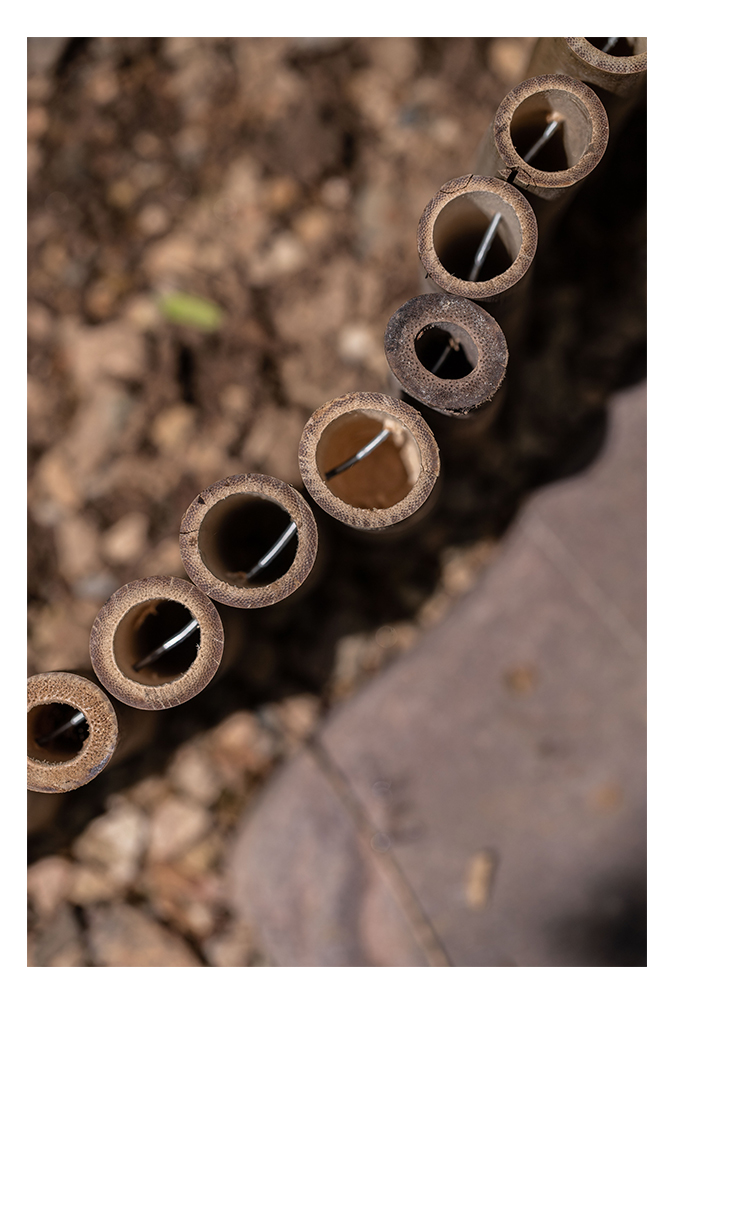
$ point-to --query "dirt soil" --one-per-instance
(279, 181)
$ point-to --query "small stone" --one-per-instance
(298, 716)
(102, 86)
(37, 121)
(192, 773)
(90, 885)
(336, 193)
(76, 540)
(234, 947)
(141, 311)
(235, 400)
(146, 144)
(356, 343)
(48, 883)
(127, 539)
(39, 323)
(153, 220)
(242, 742)
(172, 428)
(122, 194)
(480, 876)
(285, 256)
(116, 841)
(521, 679)
(177, 824)
(60, 943)
(121, 935)
(203, 856)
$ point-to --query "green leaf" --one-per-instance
(191, 310)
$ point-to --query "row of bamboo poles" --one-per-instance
(368, 459)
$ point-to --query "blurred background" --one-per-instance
(219, 231)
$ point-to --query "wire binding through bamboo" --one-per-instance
(446, 352)
(576, 147)
(144, 617)
(230, 528)
(71, 732)
(453, 226)
(385, 486)
(617, 73)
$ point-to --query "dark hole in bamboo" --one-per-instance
(43, 741)
(457, 234)
(146, 627)
(623, 48)
(237, 532)
(448, 352)
(382, 478)
(528, 124)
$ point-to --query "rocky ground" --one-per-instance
(278, 182)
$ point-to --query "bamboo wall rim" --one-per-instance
(361, 518)
(508, 197)
(63, 687)
(167, 695)
(454, 398)
(615, 65)
(588, 106)
(270, 489)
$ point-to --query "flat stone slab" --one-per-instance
(482, 801)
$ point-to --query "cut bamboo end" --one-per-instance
(446, 352)
(452, 228)
(621, 72)
(137, 620)
(575, 148)
(389, 484)
(232, 525)
(62, 756)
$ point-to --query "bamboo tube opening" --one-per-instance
(383, 487)
(574, 148)
(129, 650)
(453, 226)
(460, 228)
(229, 532)
(71, 731)
(50, 736)
(623, 48)
(446, 352)
(387, 474)
(143, 630)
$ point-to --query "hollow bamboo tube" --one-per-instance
(137, 620)
(447, 353)
(567, 158)
(229, 527)
(387, 486)
(619, 79)
(62, 752)
(451, 230)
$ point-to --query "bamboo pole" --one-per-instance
(133, 647)
(248, 541)
(514, 140)
(72, 732)
(369, 460)
(618, 75)
(447, 353)
(453, 228)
